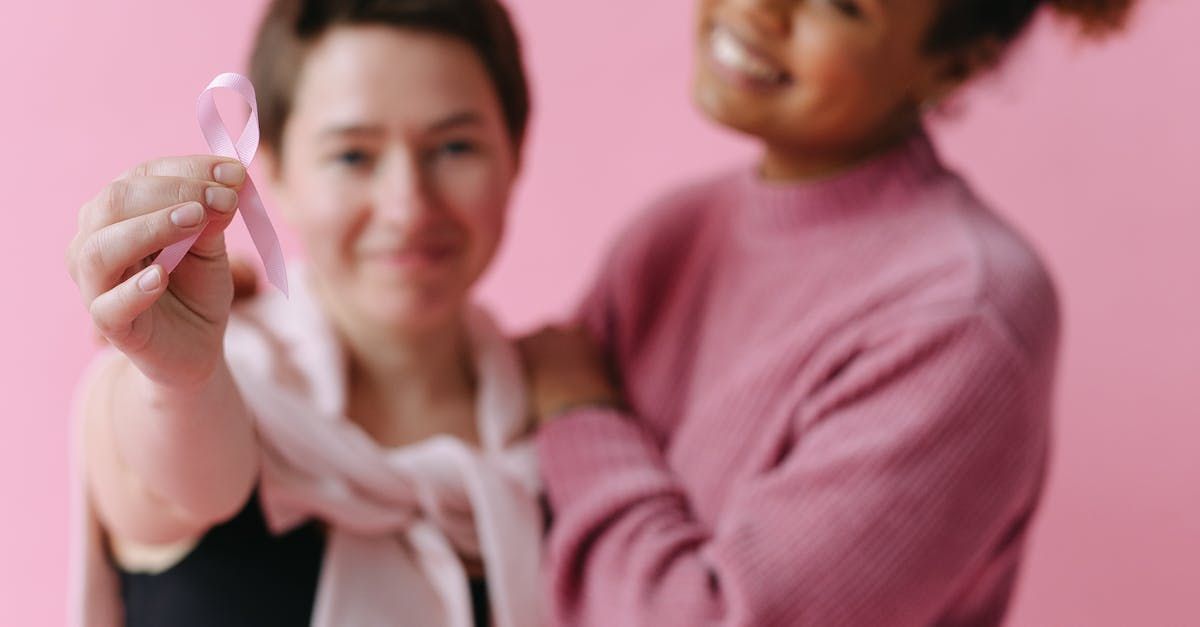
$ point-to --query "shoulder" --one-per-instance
(672, 223)
(650, 253)
(956, 254)
(1011, 282)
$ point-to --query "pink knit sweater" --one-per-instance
(840, 399)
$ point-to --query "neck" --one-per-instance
(410, 368)
(403, 385)
(783, 162)
(404, 388)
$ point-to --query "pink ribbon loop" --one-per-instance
(250, 205)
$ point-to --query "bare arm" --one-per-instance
(165, 465)
(170, 448)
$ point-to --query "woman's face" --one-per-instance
(396, 169)
(815, 75)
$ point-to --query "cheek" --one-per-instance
(704, 13)
(477, 195)
(852, 91)
(834, 77)
(329, 215)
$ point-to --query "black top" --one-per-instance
(242, 575)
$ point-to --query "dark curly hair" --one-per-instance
(963, 23)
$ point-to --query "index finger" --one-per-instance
(223, 170)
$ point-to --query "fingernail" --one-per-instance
(188, 215)
(221, 199)
(150, 279)
(229, 173)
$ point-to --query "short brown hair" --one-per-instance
(966, 22)
(291, 27)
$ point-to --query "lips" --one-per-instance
(738, 60)
(421, 256)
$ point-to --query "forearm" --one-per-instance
(889, 503)
(626, 547)
(622, 529)
(165, 463)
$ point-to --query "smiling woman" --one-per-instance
(441, 168)
(836, 364)
(352, 455)
(840, 80)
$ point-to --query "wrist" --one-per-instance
(199, 386)
(565, 408)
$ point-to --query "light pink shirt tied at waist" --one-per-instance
(398, 519)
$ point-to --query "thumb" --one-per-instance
(211, 242)
(222, 206)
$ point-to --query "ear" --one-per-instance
(950, 71)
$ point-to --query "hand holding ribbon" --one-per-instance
(250, 204)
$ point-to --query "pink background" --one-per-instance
(1094, 151)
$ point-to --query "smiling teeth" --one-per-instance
(728, 51)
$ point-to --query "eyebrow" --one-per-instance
(462, 118)
(455, 120)
(353, 129)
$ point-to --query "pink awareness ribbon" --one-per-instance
(250, 205)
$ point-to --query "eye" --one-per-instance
(456, 148)
(353, 158)
(849, 8)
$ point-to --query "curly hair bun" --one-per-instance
(1096, 18)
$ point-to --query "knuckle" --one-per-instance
(69, 258)
(83, 215)
(93, 213)
(186, 190)
(103, 321)
(139, 170)
(145, 168)
(153, 228)
(92, 255)
(201, 166)
(112, 200)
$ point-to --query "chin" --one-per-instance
(781, 122)
(736, 110)
(415, 310)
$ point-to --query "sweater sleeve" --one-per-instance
(903, 476)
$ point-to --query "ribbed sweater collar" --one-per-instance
(773, 209)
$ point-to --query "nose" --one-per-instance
(402, 196)
(769, 17)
